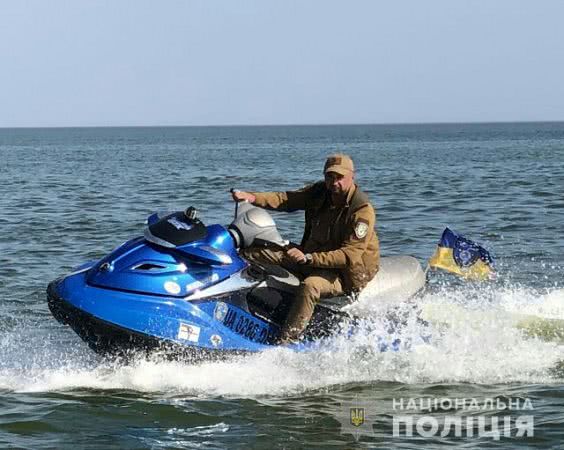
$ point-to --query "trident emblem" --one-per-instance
(357, 416)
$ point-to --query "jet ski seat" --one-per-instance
(274, 277)
(277, 283)
(279, 279)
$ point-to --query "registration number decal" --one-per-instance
(247, 327)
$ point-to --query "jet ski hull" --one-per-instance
(111, 340)
(185, 289)
(117, 322)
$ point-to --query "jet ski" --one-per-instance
(184, 289)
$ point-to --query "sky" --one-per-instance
(256, 62)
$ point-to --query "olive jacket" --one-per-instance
(342, 238)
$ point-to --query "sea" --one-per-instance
(477, 380)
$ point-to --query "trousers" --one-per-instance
(315, 284)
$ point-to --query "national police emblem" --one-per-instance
(220, 311)
(361, 229)
(465, 252)
(357, 416)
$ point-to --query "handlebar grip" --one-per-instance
(232, 190)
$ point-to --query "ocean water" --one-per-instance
(69, 195)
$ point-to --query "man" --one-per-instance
(339, 252)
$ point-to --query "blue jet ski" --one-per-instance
(183, 288)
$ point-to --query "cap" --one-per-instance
(339, 163)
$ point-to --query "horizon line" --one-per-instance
(274, 125)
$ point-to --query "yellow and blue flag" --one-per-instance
(463, 257)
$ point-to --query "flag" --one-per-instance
(461, 256)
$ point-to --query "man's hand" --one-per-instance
(296, 255)
(240, 196)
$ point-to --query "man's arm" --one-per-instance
(359, 231)
(279, 201)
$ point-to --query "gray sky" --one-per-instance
(82, 63)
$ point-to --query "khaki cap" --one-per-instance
(339, 163)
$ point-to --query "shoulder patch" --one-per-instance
(361, 229)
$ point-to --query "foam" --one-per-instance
(484, 353)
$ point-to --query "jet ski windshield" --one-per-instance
(255, 226)
(174, 230)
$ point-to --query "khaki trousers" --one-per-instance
(315, 284)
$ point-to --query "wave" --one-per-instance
(478, 344)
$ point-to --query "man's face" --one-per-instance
(338, 184)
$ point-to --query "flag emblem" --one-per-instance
(462, 256)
